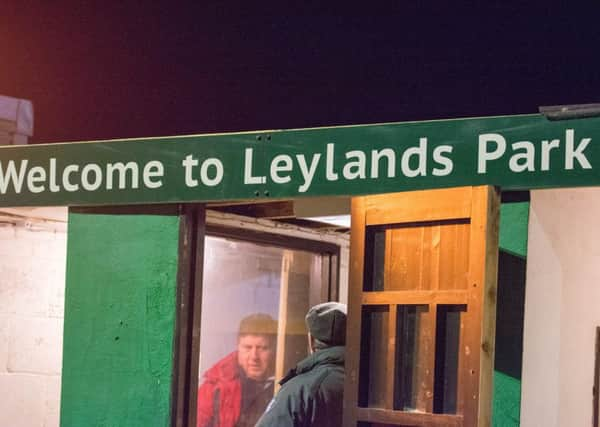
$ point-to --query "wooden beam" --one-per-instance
(286, 262)
(353, 326)
(415, 297)
(419, 206)
(382, 416)
(391, 357)
(278, 209)
(475, 380)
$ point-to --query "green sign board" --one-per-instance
(512, 152)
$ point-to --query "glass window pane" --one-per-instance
(255, 298)
(414, 351)
(374, 356)
(447, 343)
(374, 259)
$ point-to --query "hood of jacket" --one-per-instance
(326, 356)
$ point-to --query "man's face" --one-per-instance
(255, 355)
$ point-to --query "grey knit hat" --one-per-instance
(327, 323)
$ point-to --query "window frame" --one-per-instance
(195, 226)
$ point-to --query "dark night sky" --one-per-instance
(110, 70)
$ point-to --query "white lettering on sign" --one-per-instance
(211, 171)
(248, 178)
(330, 174)
(66, 178)
(524, 161)
(153, 169)
(389, 155)
(420, 155)
(308, 172)
(54, 188)
(215, 165)
(92, 177)
(188, 164)
(485, 155)
(11, 175)
(523, 156)
(86, 180)
(35, 175)
(122, 169)
(548, 146)
(440, 159)
(357, 167)
(298, 172)
(279, 164)
(573, 153)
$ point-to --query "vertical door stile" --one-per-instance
(282, 326)
(357, 242)
(491, 216)
(391, 357)
(199, 213)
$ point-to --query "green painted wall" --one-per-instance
(514, 218)
(119, 320)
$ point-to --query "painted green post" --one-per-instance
(514, 218)
(119, 320)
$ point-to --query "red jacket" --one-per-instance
(221, 390)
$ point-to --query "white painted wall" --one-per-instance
(32, 277)
(562, 307)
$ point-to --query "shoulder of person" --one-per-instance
(309, 382)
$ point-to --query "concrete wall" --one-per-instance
(562, 307)
(32, 271)
(16, 121)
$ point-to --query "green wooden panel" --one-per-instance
(514, 218)
(119, 320)
(507, 401)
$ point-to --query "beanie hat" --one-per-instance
(258, 324)
(327, 323)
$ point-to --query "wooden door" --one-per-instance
(422, 306)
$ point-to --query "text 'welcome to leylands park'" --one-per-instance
(564, 152)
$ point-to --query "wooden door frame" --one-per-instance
(194, 228)
(477, 367)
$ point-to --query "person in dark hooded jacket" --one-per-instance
(312, 393)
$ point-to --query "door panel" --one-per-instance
(120, 316)
(422, 308)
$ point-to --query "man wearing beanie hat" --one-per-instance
(237, 389)
(312, 393)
